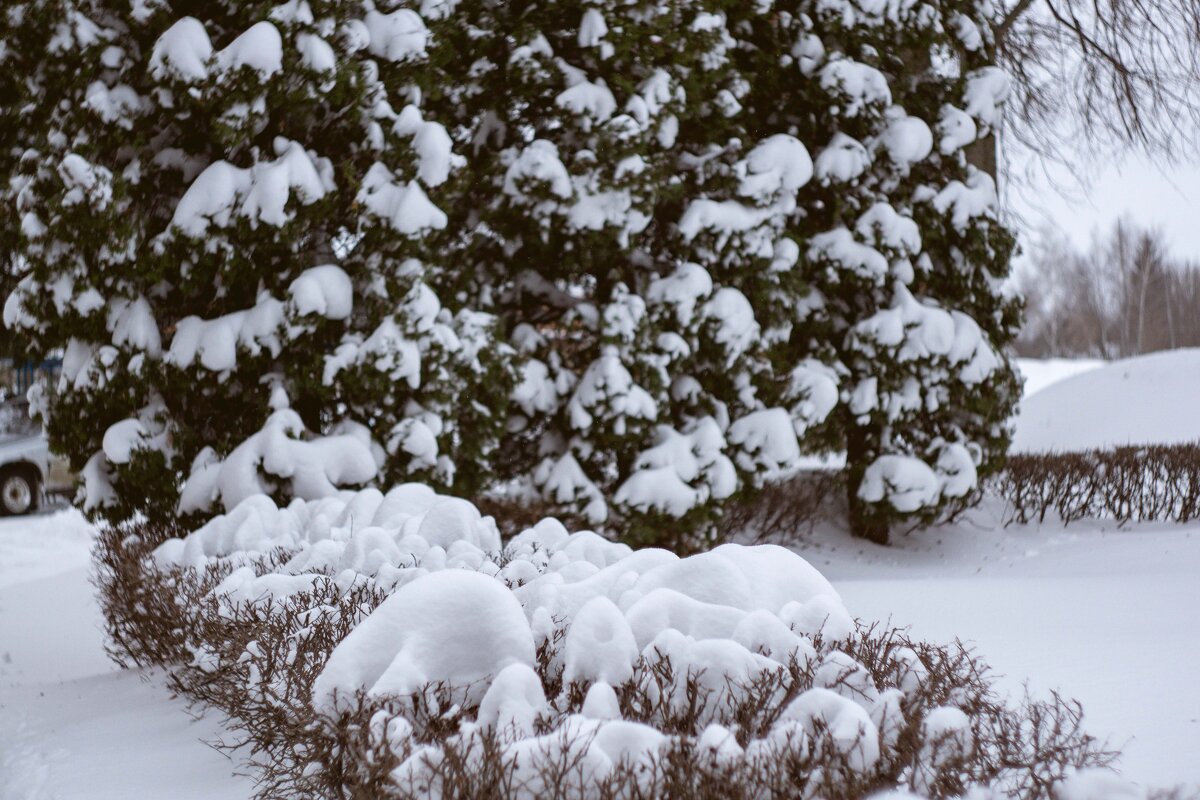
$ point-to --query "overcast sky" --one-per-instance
(1150, 195)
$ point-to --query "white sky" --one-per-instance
(1150, 195)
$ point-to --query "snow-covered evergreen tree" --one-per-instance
(899, 242)
(632, 257)
(218, 227)
(725, 234)
(637, 366)
(24, 37)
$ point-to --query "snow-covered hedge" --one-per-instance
(623, 259)
(372, 645)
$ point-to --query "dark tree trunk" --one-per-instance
(981, 154)
(865, 523)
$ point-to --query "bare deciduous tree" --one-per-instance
(1103, 75)
(1123, 297)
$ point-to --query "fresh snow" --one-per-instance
(856, 84)
(907, 140)
(987, 88)
(778, 164)
(1102, 613)
(324, 290)
(403, 205)
(955, 129)
(588, 99)
(410, 642)
(1038, 373)
(183, 52)
(965, 201)
(313, 468)
(73, 726)
(1143, 400)
(260, 48)
(1094, 611)
(400, 36)
(215, 343)
(842, 161)
(466, 615)
(260, 193)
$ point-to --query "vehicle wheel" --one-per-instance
(18, 492)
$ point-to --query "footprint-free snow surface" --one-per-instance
(1106, 616)
(1039, 373)
(73, 726)
(1153, 399)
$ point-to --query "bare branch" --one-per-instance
(1106, 76)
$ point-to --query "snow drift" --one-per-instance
(1137, 401)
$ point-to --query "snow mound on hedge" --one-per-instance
(360, 532)
(462, 609)
(1137, 401)
(453, 626)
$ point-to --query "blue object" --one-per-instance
(26, 374)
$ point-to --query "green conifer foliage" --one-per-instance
(630, 259)
(726, 234)
(217, 230)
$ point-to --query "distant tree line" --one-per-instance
(1124, 296)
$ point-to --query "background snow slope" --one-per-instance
(71, 724)
(1151, 399)
(1042, 372)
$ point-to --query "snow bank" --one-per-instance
(1038, 373)
(38, 546)
(1143, 400)
(73, 724)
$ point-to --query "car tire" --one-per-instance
(19, 492)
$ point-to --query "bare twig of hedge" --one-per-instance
(780, 509)
(1128, 484)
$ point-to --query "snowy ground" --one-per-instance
(1042, 372)
(1108, 616)
(1143, 400)
(71, 724)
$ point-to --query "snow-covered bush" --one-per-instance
(724, 235)
(217, 221)
(371, 645)
(624, 259)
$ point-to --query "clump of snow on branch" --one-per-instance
(311, 469)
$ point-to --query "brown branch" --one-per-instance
(1010, 19)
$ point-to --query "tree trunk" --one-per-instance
(1167, 281)
(864, 522)
(1141, 329)
(981, 154)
